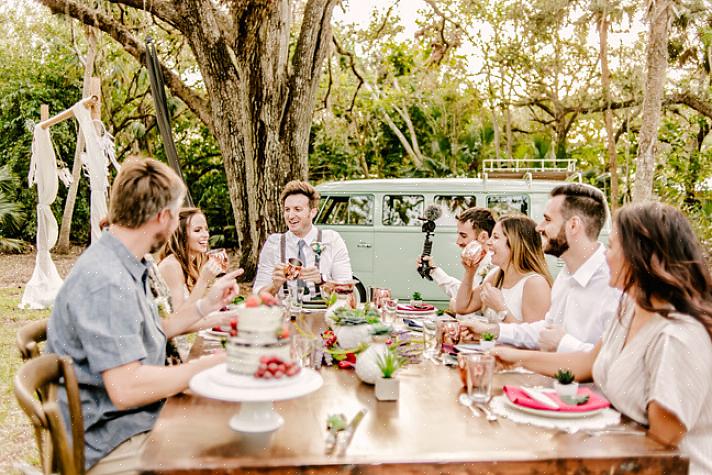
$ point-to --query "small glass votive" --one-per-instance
(480, 370)
(430, 342)
(390, 307)
(304, 350)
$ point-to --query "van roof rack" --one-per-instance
(530, 168)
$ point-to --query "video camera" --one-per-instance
(432, 213)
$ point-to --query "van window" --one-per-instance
(402, 210)
(508, 204)
(451, 206)
(356, 210)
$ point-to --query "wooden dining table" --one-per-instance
(424, 431)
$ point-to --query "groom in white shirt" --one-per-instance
(300, 202)
(582, 302)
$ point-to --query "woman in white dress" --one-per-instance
(520, 288)
(184, 264)
(654, 361)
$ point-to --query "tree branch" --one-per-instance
(352, 65)
(123, 36)
(166, 10)
(691, 101)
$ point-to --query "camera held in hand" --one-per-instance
(432, 213)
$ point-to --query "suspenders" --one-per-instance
(283, 252)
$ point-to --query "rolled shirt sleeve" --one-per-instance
(447, 283)
(525, 335)
(269, 257)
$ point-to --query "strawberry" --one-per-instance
(283, 333)
(252, 301)
(233, 323)
(217, 328)
(233, 332)
(293, 370)
(278, 374)
(344, 364)
(265, 360)
(272, 367)
(351, 358)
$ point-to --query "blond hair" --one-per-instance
(525, 244)
(296, 187)
(142, 189)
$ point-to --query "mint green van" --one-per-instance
(378, 219)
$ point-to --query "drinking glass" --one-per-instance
(305, 349)
(480, 369)
(447, 334)
(390, 309)
(430, 343)
(220, 257)
(294, 299)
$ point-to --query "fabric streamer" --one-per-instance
(42, 288)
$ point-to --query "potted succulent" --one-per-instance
(416, 300)
(564, 384)
(487, 341)
(387, 386)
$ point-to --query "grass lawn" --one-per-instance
(17, 434)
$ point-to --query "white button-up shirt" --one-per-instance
(582, 302)
(334, 264)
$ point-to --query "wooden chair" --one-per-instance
(43, 375)
(29, 337)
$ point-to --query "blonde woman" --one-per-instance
(520, 289)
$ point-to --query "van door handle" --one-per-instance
(363, 244)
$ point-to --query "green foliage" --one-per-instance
(564, 376)
(417, 296)
(486, 336)
(389, 362)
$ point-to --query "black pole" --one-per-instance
(163, 119)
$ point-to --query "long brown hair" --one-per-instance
(664, 260)
(524, 242)
(178, 246)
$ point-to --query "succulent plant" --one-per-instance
(564, 376)
(417, 296)
(487, 336)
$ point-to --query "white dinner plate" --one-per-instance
(553, 414)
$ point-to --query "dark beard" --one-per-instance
(558, 245)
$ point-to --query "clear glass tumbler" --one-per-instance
(480, 370)
(430, 342)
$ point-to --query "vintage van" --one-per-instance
(378, 219)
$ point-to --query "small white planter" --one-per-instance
(487, 345)
(387, 389)
(569, 390)
(416, 303)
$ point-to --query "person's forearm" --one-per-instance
(547, 363)
(467, 301)
(182, 321)
(137, 385)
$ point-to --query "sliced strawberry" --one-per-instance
(253, 301)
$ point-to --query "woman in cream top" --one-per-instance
(654, 361)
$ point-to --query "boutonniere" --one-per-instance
(164, 308)
(317, 247)
(485, 270)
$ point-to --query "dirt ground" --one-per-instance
(16, 269)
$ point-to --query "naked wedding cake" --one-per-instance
(261, 346)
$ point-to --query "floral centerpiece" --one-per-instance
(352, 326)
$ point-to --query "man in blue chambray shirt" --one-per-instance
(105, 319)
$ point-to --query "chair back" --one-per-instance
(43, 375)
(29, 337)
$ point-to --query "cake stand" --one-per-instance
(256, 414)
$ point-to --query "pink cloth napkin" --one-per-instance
(426, 307)
(519, 397)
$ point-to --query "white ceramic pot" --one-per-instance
(487, 345)
(566, 389)
(330, 311)
(350, 336)
(367, 368)
(387, 389)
